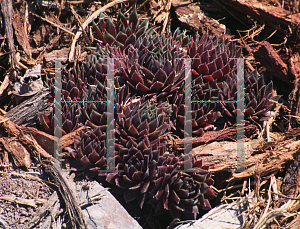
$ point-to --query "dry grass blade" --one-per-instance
(88, 21)
(271, 215)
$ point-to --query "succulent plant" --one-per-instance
(181, 185)
(213, 59)
(130, 31)
(71, 118)
(73, 84)
(148, 173)
(154, 68)
(145, 171)
(203, 113)
(90, 149)
(149, 75)
(140, 135)
(150, 65)
(257, 96)
(83, 97)
(125, 32)
(74, 90)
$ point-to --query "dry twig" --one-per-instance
(88, 21)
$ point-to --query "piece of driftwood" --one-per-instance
(212, 136)
(73, 209)
(190, 15)
(221, 156)
(268, 57)
(20, 32)
(26, 113)
(266, 157)
(270, 160)
(265, 12)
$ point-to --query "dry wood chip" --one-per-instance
(191, 15)
(270, 59)
(26, 139)
(18, 152)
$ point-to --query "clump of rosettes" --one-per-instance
(154, 68)
(83, 96)
(131, 31)
(140, 135)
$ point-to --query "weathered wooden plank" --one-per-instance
(264, 12)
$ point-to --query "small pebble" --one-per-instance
(23, 219)
(25, 213)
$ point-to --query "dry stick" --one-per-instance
(168, 7)
(78, 19)
(144, 3)
(6, 8)
(88, 21)
(236, 186)
(52, 23)
(284, 196)
(130, 8)
(74, 210)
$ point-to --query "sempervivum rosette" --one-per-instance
(258, 97)
(71, 118)
(90, 149)
(94, 109)
(125, 32)
(74, 90)
(73, 83)
(181, 185)
(213, 59)
(154, 68)
(130, 31)
(140, 136)
(203, 112)
(151, 64)
(96, 65)
(85, 86)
